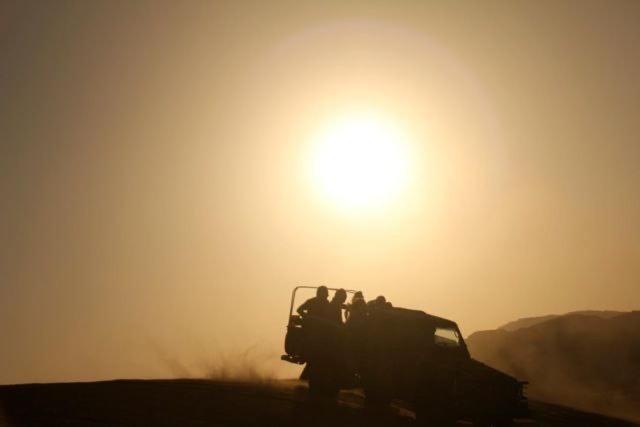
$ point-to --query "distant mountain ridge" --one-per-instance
(530, 321)
(586, 359)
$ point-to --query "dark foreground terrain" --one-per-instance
(217, 403)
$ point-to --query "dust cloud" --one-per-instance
(254, 364)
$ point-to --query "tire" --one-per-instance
(503, 422)
(433, 416)
(440, 413)
(427, 420)
(481, 422)
(321, 381)
(376, 399)
(493, 422)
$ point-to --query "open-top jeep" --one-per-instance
(408, 355)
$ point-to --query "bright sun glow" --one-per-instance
(360, 161)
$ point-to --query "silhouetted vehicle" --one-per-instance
(408, 355)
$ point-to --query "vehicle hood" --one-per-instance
(481, 372)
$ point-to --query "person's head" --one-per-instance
(357, 299)
(340, 296)
(322, 292)
(381, 300)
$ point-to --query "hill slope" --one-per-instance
(582, 359)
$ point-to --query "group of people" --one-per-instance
(326, 345)
(320, 307)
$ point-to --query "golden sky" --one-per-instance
(157, 194)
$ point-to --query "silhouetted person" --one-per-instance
(356, 315)
(316, 306)
(336, 305)
(314, 312)
(358, 296)
(357, 310)
(379, 302)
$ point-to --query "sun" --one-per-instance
(360, 161)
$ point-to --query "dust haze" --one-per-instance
(253, 364)
(588, 360)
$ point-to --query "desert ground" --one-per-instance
(220, 403)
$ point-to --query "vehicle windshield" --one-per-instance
(446, 337)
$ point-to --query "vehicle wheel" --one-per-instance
(481, 422)
(374, 398)
(435, 421)
(493, 422)
(502, 422)
(443, 422)
(432, 417)
(322, 382)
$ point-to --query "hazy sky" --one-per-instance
(156, 205)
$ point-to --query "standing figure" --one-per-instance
(357, 310)
(336, 306)
(317, 306)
